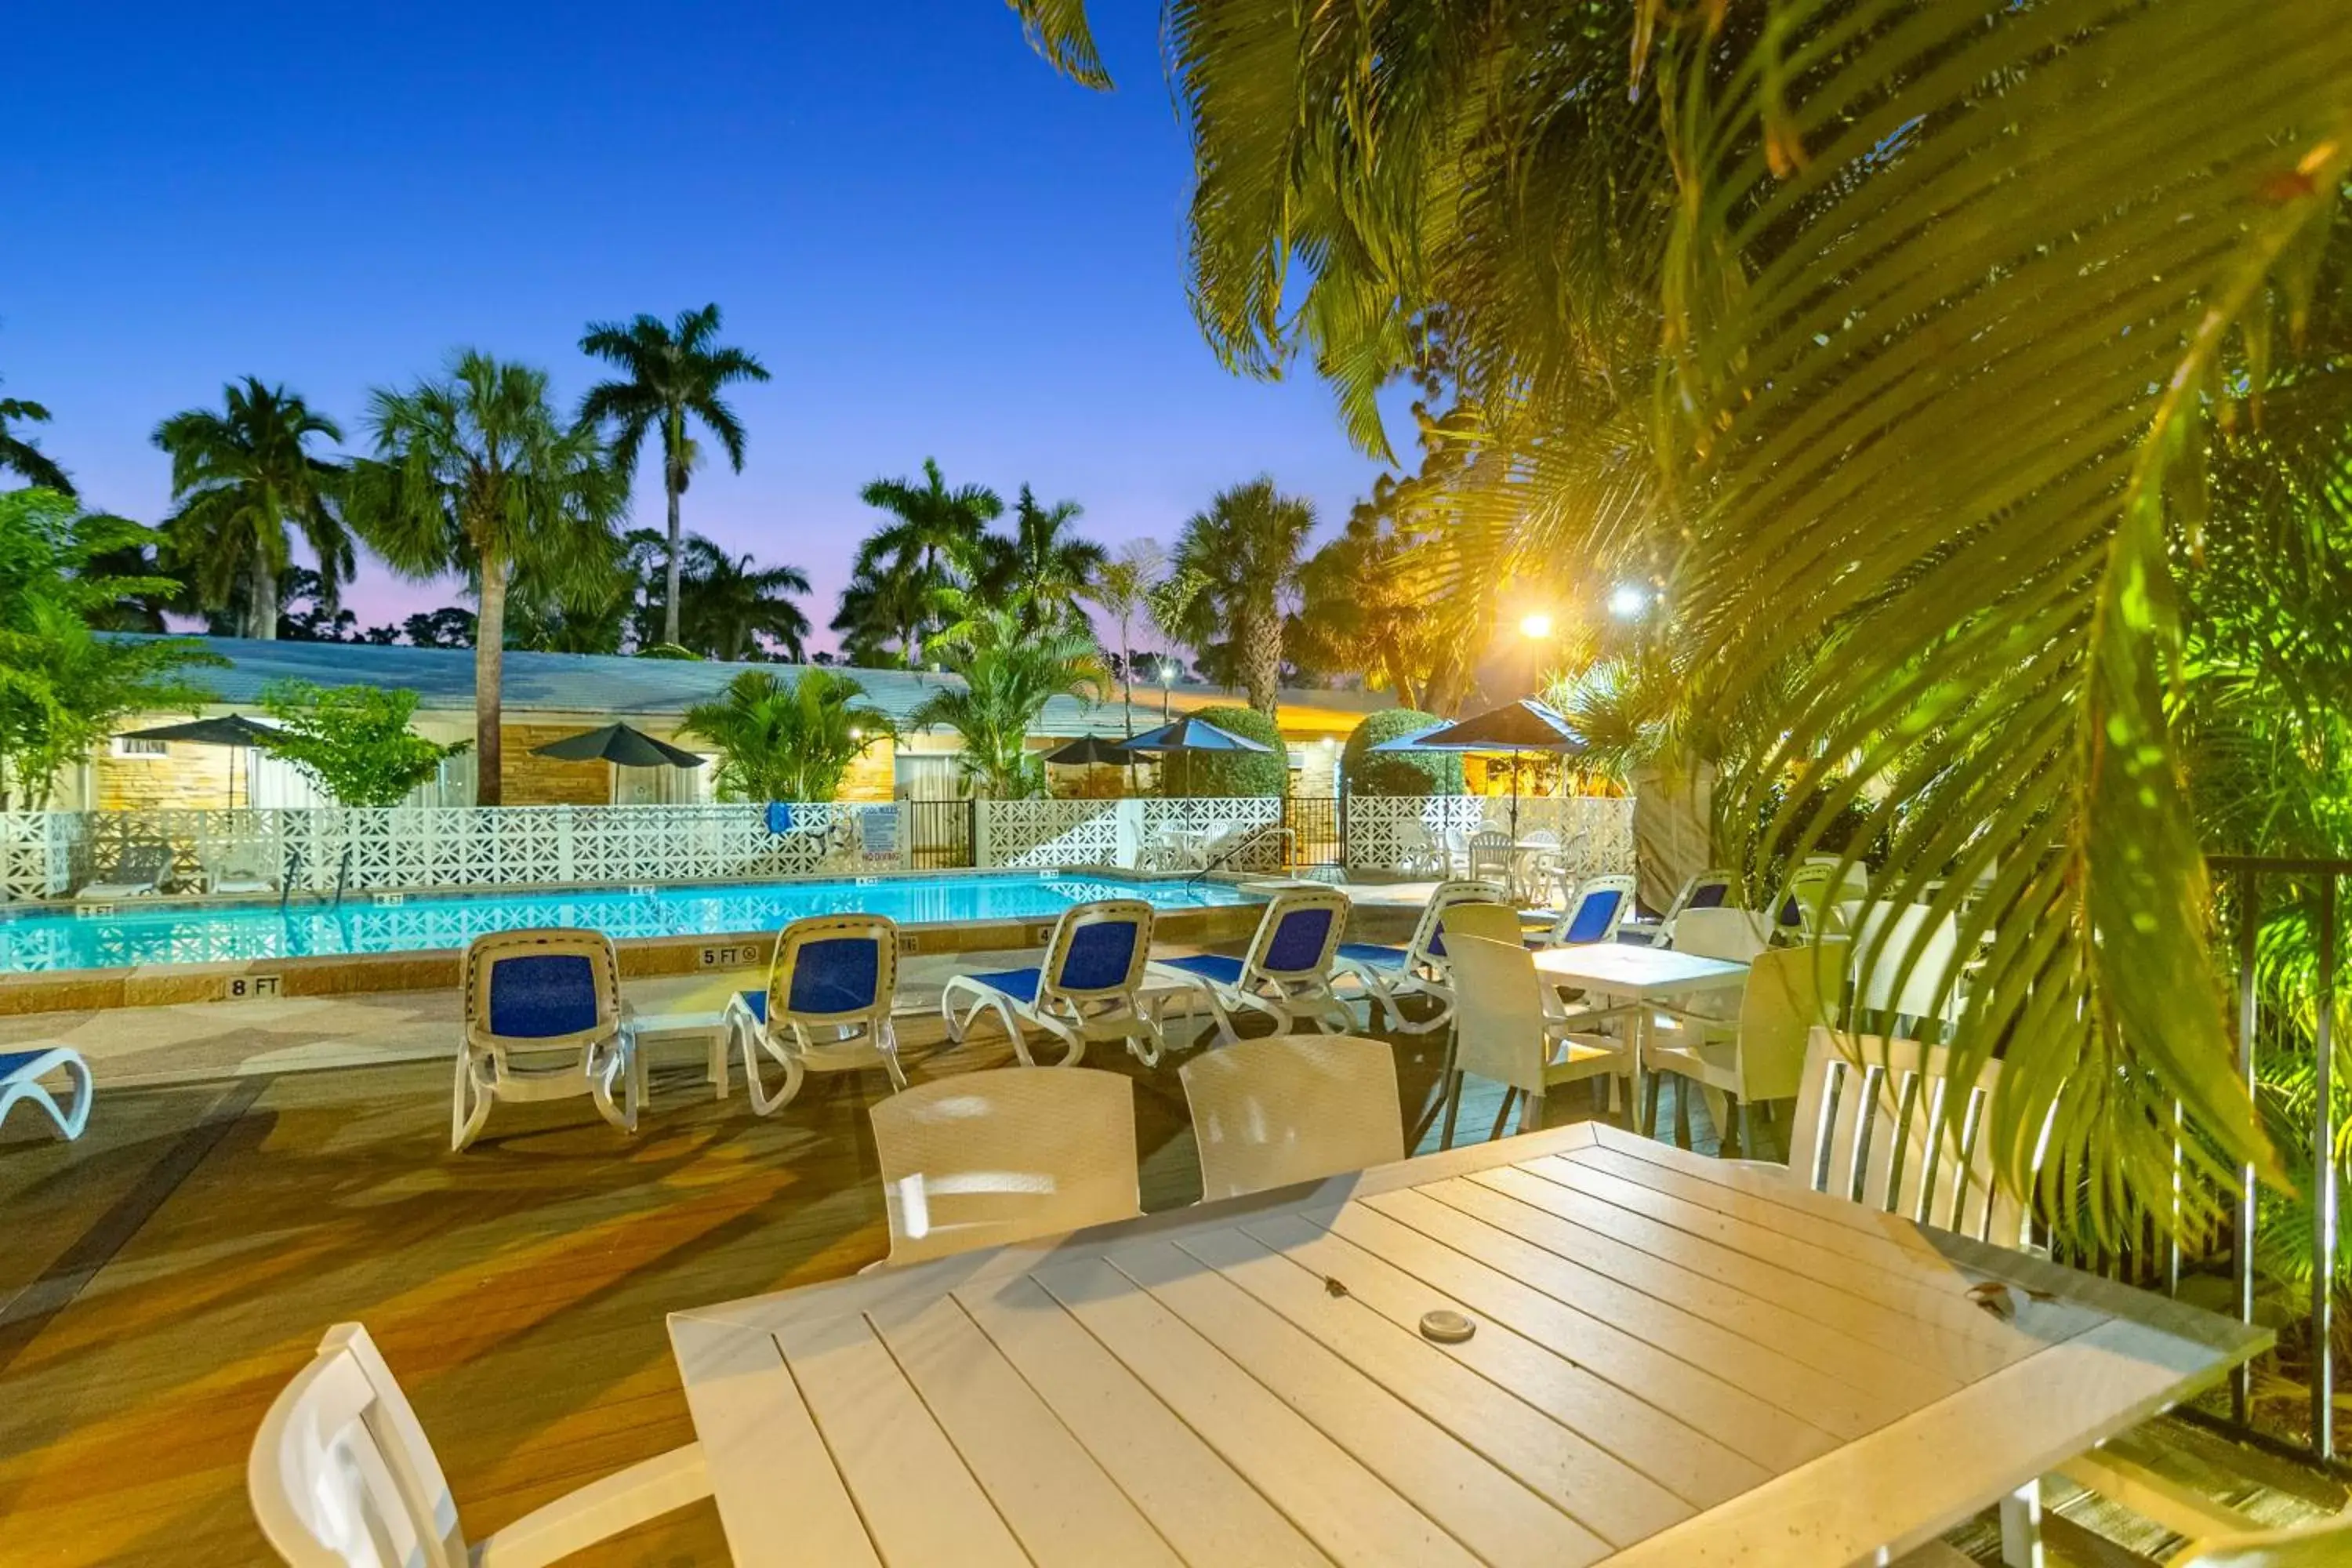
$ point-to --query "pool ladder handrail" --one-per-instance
(294, 867)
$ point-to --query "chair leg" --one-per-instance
(1503, 1114)
(2021, 1527)
(1729, 1144)
(1649, 1121)
(1682, 1113)
(1531, 1111)
(469, 1106)
(763, 1103)
(1452, 1104)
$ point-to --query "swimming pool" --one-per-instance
(41, 941)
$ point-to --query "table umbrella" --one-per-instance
(618, 744)
(1192, 734)
(230, 730)
(1090, 750)
(1526, 725)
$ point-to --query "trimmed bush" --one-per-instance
(1363, 771)
(1215, 773)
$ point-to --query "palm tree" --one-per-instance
(730, 604)
(1121, 587)
(476, 473)
(243, 479)
(1045, 562)
(671, 377)
(935, 535)
(1246, 550)
(22, 457)
(1926, 325)
(1011, 669)
(787, 742)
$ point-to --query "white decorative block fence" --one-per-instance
(49, 853)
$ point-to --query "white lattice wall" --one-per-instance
(1053, 833)
(478, 846)
(1207, 814)
(1379, 839)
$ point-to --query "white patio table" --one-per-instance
(1624, 973)
(1674, 1361)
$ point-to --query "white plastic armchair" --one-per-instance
(544, 1020)
(341, 1475)
(1508, 1030)
(986, 1158)
(2326, 1543)
(1760, 1053)
(827, 1007)
(1906, 964)
(1090, 986)
(1268, 1113)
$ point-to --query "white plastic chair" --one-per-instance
(1268, 1113)
(140, 871)
(1090, 986)
(1906, 964)
(1759, 1053)
(1390, 975)
(1591, 911)
(986, 1158)
(1286, 971)
(341, 1476)
(20, 1079)
(1507, 1028)
(2324, 1543)
(1732, 935)
(247, 866)
(1490, 855)
(827, 1007)
(544, 1020)
(1419, 853)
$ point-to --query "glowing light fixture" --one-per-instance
(1628, 600)
(1534, 624)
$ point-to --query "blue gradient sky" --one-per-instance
(939, 246)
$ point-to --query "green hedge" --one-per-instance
(1217, 774)
(1366, 771)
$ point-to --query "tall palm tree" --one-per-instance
(934, 536)
(730, 604)
(244, 479)
(672, 375)
(23, 457)
(1121, 589)
(1045, 562)
(475, 472)
(1246, 548)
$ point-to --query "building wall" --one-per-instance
(185, 777)
(546, 780)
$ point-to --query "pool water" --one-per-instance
(137, 934)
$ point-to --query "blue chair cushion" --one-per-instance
(542, 995)
(836, 974)
(1209, 966)
(1709, 896)
(1021, 985)
(757, 1001)
(1372, 955)
(1297, 944)
(1593, 915)
(12, 1061)
(1099, 957)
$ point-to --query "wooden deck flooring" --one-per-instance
(160, 1279)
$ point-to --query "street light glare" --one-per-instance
(1535, 625)
(1626, 601)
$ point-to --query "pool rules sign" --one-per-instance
(878, 837)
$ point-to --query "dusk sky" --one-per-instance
(940, 247)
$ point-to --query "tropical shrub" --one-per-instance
(353, 741)
(1363, 771)
(1209, 774)
(787, 742)
(63, 684)
(1011, 669)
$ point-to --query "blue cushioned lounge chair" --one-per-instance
(1707, 889)
(1285, 974)
(544, 1020)
(1090, 986)
(827, 1007)
(1591, 912)
(20, 1078)
(1390, 975)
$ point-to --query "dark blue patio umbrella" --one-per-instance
(1526, 725)
(1090, 749)
(1190, 736)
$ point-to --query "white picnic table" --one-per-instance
(1677, 1361)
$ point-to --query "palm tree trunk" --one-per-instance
(489, 667)
(669, 606)
(1127, 672)
(261, 598)
(1261, 651)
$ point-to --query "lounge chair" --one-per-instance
(544, 1020)
(20, 1078)
(342, 1473)
(1390, 975)
(1090, 986)
(1285, 974)
(827, 1007)
(139, 871)
(246, 867)
(1707, 890)
(1591, 911)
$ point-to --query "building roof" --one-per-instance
(566, 685)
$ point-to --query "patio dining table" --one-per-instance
(1634, 975)
(1574, 1347)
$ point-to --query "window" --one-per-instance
(125, 746)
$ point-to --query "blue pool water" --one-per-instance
(162, 933)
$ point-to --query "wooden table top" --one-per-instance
(1623, 969)
(1677, 1361)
